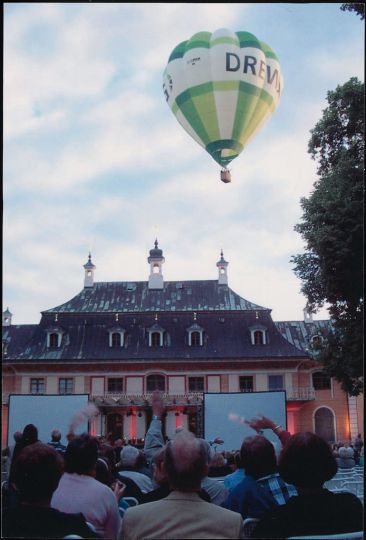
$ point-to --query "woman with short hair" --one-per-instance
(307, 462)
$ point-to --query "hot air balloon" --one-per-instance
(222, 87)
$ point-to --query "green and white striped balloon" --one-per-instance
(222, 87)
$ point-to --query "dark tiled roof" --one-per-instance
(299, 333)
(226, 336)
(203, 295)
(16, 338)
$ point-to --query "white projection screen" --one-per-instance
(46, 412)
(218, 407)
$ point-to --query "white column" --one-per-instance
(353, 419)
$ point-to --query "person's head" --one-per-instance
(30, 434)
(106, 451)
(130, 457)
(307, 461)
(81, 455)
(56, 435)
(118, 443)
(257, 456)
(159, 471)
(17, 436)
(217, 461)
(37, 473)
(186, 462)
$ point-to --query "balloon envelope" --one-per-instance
(222, 87)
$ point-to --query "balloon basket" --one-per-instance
(225, 176)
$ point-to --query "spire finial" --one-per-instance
(156, 243)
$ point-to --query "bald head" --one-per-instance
(186, 462)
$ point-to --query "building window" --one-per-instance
(65, 386)
(115, 384)
(37, 386)
(246, 384)
(196, 384)
(316, 341)
(258, 337)
(324, 424)
(195, 339)
(155, 339)
(321, 381)
(155, 382)
(53, 340)
(275, 382)
(116, 340)
(116, 336)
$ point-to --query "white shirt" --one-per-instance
(96, 501)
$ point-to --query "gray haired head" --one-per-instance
(129, 456)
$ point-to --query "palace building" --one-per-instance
(118, 341)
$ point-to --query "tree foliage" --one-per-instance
(331, 269)
(359, 9)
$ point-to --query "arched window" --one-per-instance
(195, 339)
(258, 337)
(316, 341)
(156, 269)
(321, 381)
(155, 382)
(53, 340)
(155, 339)
(116, 339)
(324, 424)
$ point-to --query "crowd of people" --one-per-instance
(176, 489)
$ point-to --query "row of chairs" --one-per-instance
(126, 502)
(251, 523)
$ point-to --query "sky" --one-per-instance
(94, 159)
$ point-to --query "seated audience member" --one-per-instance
(307, 462)
(161, 479)
(8, 451)
(357, 446)
(345, 458)
(37, 473)
(154, 441)
(117, 448)
(106, 452)
(215, 489)
(182, 514)
(233, 479)
(79, 491)
(55, 441)
(129, 466)
(262, 488)
(218, 466)
(361, 462)
(29, 436)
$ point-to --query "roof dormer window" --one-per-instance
(116, 337)
(195, 335)
(156, 336)
(155, 339)
(258, 335)
(54, 338)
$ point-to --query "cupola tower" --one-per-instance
(222, 267)
(156, 260)
(89, 273)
